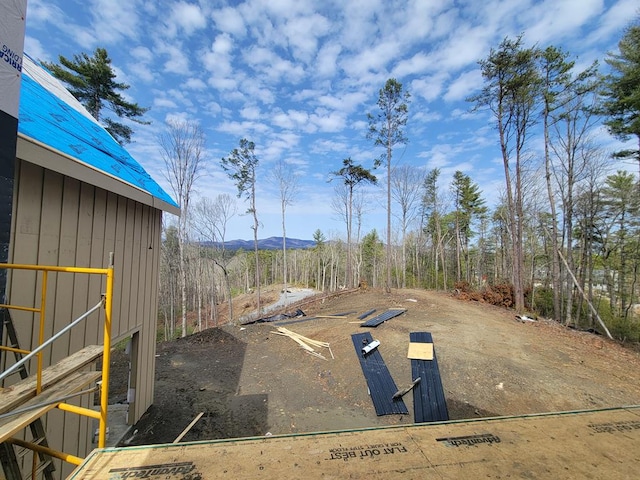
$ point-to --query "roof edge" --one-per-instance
(38, 153)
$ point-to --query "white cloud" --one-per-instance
(326, 63)
(552, 20)
(114, 20)
(464, 48)
(242, 129)
(142, 54)
(218, 59)
(374, 59)
(250, 113)
(195, 84)
(428, 88)
(344, 101)
(177, 62)
(416, 64)
(226, 84)
(273, 67)
(426, 116)
(614, 20)
(419, 19)
(303, 34)
(328, 121)
(142, 72)
(188, 17)
(164, 103)
(229, 20)
(41, 12)
(359, 26)
(255, 91)
(464, 85)
(35, 49)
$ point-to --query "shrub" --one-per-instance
(542, 302)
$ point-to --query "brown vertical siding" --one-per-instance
(61, 221)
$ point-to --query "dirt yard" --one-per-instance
(249, 381)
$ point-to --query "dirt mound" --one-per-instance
(249, 381)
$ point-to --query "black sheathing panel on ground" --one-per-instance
(366, 314)
(379, 380)
(383, 317)
(429, 403)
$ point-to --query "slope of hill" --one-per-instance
(251, 381)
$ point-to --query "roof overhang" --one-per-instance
(37, 153)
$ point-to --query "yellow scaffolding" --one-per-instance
(106, 302)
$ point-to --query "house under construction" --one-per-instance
(85, 221)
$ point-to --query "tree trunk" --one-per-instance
(183, 286)
(555, 261)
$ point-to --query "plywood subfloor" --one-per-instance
(578, 445)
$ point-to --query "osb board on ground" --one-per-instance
(591, 444)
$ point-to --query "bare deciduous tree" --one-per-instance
(286, 180)
(182, 149)
(211, 217)
(405, 190)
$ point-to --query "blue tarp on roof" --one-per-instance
(47, 118)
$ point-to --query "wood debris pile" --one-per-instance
(307, 344)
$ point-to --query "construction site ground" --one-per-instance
(247, 380)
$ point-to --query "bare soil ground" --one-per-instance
(249, 381)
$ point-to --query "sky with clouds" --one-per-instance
(298, 77)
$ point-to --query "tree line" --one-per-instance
(562, 241)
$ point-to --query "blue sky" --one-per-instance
(297, 77)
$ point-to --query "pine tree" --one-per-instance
(352, 175)
(623, 91)
(92, 81)
(240, 166)
(387, 130)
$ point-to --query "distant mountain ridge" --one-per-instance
(271, 243)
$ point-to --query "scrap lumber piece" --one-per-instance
(48, 400)
(306, 343)
(429, 403)
(188, 427)
(420, 351)
(25, 389)
(383, 317)
(379, 380)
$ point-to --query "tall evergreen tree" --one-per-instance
(555, 73)
(510, 91)
(387, 130)
(469, 205)
(93, 82)
(623, 91)
(432, 214)
(240, 166)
